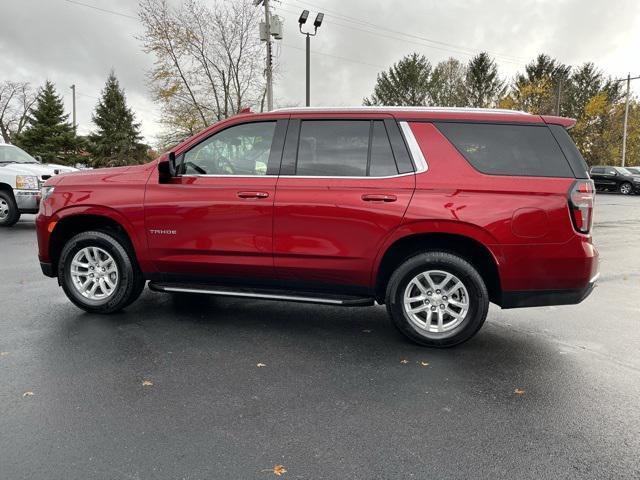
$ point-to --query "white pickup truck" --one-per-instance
(21, 177)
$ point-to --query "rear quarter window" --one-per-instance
(500, 149)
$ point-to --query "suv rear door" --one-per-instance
(344, 184)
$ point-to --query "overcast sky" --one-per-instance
(73, 44)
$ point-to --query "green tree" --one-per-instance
(117, 138)
(447, 84)
(406, 83)
(484, 87)
(536, 91)
(48, 134)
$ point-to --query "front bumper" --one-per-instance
(542, 298)
(27, 201)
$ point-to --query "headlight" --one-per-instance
(26, 182)
(45, 192)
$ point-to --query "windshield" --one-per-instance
(13, 154)
(635, 171)
(623, 171)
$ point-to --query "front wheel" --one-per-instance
(626, 188)
(98, 273)
(9, 213)
(437, 299)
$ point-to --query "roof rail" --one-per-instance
(401, 108)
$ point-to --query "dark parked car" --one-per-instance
(615, 179)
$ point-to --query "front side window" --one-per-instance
(344, 148)
(238, 150)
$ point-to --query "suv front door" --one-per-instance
(215, 218)
(344, 185)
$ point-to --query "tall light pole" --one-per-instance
(317, 22)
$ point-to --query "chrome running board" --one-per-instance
(264, 294)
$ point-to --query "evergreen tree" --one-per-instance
(48, 134)
(484, 88)
(406, 83)
(117, 138)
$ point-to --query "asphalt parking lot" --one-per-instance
(236, 387)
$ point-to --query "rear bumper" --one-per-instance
(541, 298)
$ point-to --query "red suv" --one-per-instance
(433, 212)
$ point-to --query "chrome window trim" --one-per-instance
(414, 149)
(295, 176)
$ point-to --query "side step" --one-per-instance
(264, 294)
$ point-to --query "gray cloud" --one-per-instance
(68, 43)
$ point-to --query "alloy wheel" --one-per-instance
(436, 302)
(94, 273)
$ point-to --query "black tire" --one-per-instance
(478, 298)
(130, 280)
(626, 188)
(9, 214)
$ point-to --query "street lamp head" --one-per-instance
(318, 20)
(303, 17)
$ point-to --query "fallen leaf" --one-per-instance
(278, 470)
(424, 364)
(2, 354)
(518, 391)
(404, 360)
(260, 365)
(147, 383)
(27, 394)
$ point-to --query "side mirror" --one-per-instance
(167, 168)
(38, 158)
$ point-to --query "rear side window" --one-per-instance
(597, 170)
(339, 148)
(495, 149)
(333, 148)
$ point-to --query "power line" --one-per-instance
(104, 10)
(404, 40)
(346, 59)
(459, 48)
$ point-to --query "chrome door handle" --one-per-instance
(371, 197)
(253, 194)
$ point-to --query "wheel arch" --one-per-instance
(70, 222)
(469, 247)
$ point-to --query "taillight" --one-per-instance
(581, 197)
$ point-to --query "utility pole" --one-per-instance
(626, 117)
(73, 100)
(559, 96)
(267, 21)
(272, 26)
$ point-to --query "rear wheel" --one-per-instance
(437, 299)
(98, 273)
(626, 188)
(9, 213)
